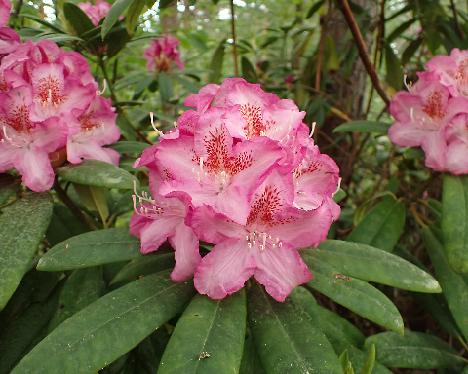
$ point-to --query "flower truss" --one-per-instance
(240, 172)
(49, 105)
(162, 53)
(433, 113)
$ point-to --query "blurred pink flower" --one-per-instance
(162, 53)
(452, 70)
(96, 12)
(422, 116)
(9, 41)
(457, 152)
(49, 102)
(253, 184)
(5, 10)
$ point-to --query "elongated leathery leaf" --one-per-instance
(208, 338)
(98, 174)
(382, 226)
(22, 227)
(286, 337)
(454, 286)
(354, 294)
(363, 126)
(144, 265)
(108, 328)
(455, 221)
(91, 249)
(371, 264)
(83, 287)
(414, 350)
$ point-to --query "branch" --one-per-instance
(361, 45)
(234, 42)
(455, 18)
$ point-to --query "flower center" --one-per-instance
(255, 125)
(163, 62)
(19, 119)
(434, 107)
(50, 91)
(262, 240)
(87, 123)
(219, 162)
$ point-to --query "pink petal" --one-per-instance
(35, 169)
(156, 232)
(434, 145)
(280, 270)
(457, 160)
(225, 269)
(187, 253)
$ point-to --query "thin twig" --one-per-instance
(62, 195)
(361, 45)
(455, 18)
(234, 39)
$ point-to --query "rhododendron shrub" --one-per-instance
(49, 101)
(162, 54)
(432, 114)
(239, 172)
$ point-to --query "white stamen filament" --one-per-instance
(313, 129)
(264, 239)
(337, 187)
(104, 87)
(153, 125)
(407, 85)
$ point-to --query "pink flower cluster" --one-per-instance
(49, 105)
(241, 172)
(97, 11)
(433, 114)
(162, 53)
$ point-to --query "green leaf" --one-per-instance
(91, 249)
(144, 265)
(360, 359)
(286, 337)
(165, 86)
(394, 76)
(382, 226)
(63, 225)
(370, 362)
(250, 361)
(399, 30)
(248, 70)
(130, 147)
(338, 330)
(216, 64)
(22, 227)
(354, 294)
(108, 328)
(455, 221)
(208, 338)
(363, 126)
(410, 50)
(314, 8)
(17, 335)
(118, 8)
(414, 350)
(77, 19)
(98, 174)
(367, 263)
(133, 13)
(82, 288)
(346, 365)
(454, 286)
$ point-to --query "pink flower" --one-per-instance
(92, 129)
(265, 247)
(5, 10)
(457, 153)
(422, 116)
(96, 12)
(25, 144)
(214, 170)
(160, 219)
(256, 186)
(162, 53)
(9, 41)
(49, 101)
(453, 71)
